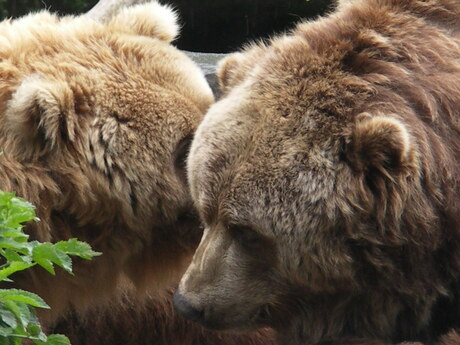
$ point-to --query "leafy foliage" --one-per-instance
(18, 319)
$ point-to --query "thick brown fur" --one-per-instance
(94, 122)
(328, 180)
(149, 320)
(452, 338)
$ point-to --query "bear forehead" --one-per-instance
(241, 160)
(289, 103)
(68, 48)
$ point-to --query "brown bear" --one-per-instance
(95, 121)
(328, 179)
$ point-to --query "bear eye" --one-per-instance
(121, 119)
(180, 157)
(245, 236)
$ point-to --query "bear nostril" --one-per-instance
(186, 309)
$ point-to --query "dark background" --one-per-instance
(208, 25)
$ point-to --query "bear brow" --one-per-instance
(227, 214)
(218, 212)
(209, 212)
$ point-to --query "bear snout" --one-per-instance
(184, 307)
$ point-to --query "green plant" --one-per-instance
(18, 319)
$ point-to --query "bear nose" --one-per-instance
(186, 309)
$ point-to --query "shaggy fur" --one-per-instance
(150, 320)
(328, 180)
(452, 338)
(94, 124)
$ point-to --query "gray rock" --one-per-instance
(208, 63)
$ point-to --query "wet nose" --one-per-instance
(186, 309)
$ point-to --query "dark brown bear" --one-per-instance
(328, 180)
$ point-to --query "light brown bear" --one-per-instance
(94, 124)
(328, 179)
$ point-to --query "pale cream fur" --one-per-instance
(150, 19)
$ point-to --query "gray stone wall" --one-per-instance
(208, 63)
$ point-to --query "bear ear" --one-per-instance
(39, 116)
(235, 68)
(151, 19)
(380, 143)
(226, 70)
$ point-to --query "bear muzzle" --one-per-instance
(184, 307)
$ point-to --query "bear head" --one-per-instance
(327, 180)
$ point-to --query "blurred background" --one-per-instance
(210, 26)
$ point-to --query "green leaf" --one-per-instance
(15, 266)
(45, 254)
(24, 205)
(36, 332)
(8, 317)
(16, 219)
(21, 311)
(12, 256)
(5, 332)
(12, 244)
(18, 319)
(17, 234)
(46, 264)
(77, 248)
(5, 198)
(18, 211)
(55, 339)
(22, 296)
